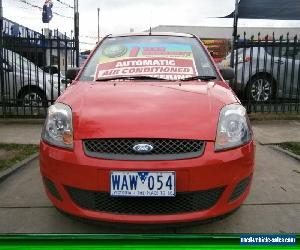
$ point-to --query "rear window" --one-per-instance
(167, 57)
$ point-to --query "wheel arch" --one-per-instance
(32, 87)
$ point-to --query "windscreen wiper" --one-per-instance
(142, 77)
(203, 78)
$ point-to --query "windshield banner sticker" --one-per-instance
(168, 61)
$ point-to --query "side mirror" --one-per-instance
(72, 73)
(66, 82)
(227, 73)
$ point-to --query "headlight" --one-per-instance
(58, 128)
(233, 127)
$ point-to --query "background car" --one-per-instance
(26, 83)
(266, 72)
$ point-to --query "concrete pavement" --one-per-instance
(273, 132)
(266, 132)
(20, 133)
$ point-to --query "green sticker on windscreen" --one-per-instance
(114, 51)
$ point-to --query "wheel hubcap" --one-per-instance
(32, 100)
(261, 90)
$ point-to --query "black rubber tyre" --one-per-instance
(260, 88)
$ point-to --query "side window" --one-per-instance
(291, 53)
(284, 52)
(277, 51)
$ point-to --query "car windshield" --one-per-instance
(147, 57)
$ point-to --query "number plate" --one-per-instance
(142, 184)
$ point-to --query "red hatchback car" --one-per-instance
(148, 133)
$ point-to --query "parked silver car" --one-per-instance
(26, 84)
(267, 72)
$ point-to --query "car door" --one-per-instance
(286, 63)
(7, 71)
(18, 75)
(296, 74)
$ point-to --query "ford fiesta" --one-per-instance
(149, 132)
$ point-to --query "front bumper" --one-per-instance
(72, 170)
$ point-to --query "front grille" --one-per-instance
(240, 188)
(163, 149)
(182, 203)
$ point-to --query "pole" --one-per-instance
(234, 35)
(1, 21)
(98, 24)
(1, 59)
(76, 31)
(1, 10)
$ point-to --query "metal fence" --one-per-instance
(267, 73)
(32, 71)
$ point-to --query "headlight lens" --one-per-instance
(233, 127)
(58, 128)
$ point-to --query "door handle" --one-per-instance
(279, 61)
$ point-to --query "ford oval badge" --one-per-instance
(143, 148)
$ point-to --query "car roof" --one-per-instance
(154, 34)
